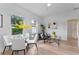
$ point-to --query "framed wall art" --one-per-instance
(1, 20)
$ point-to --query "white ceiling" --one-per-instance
(41, 9)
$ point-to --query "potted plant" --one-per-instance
(43, 29)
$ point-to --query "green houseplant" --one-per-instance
(42, 28)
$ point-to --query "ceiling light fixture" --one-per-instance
(49, 4)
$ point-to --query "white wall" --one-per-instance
(61, 20)
(12, 9)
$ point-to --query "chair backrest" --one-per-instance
(17, 36)
(36, 38)
(26, 36)
(7, 39)
(18, 44)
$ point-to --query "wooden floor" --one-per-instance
(49, 49)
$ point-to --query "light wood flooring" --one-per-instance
(50, 49)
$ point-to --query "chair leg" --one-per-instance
(12, 52)
(36, 46)
(44, 40)
(9, 47)
(24, 52)
(27, 47)
(17, 52)
(58, 43)
(4, 50)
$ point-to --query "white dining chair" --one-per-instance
(26, 36)
(7, 42)
(17, 36)
(33, 41)
(18, 45)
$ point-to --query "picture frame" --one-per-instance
(1, 20)
(16, 20)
